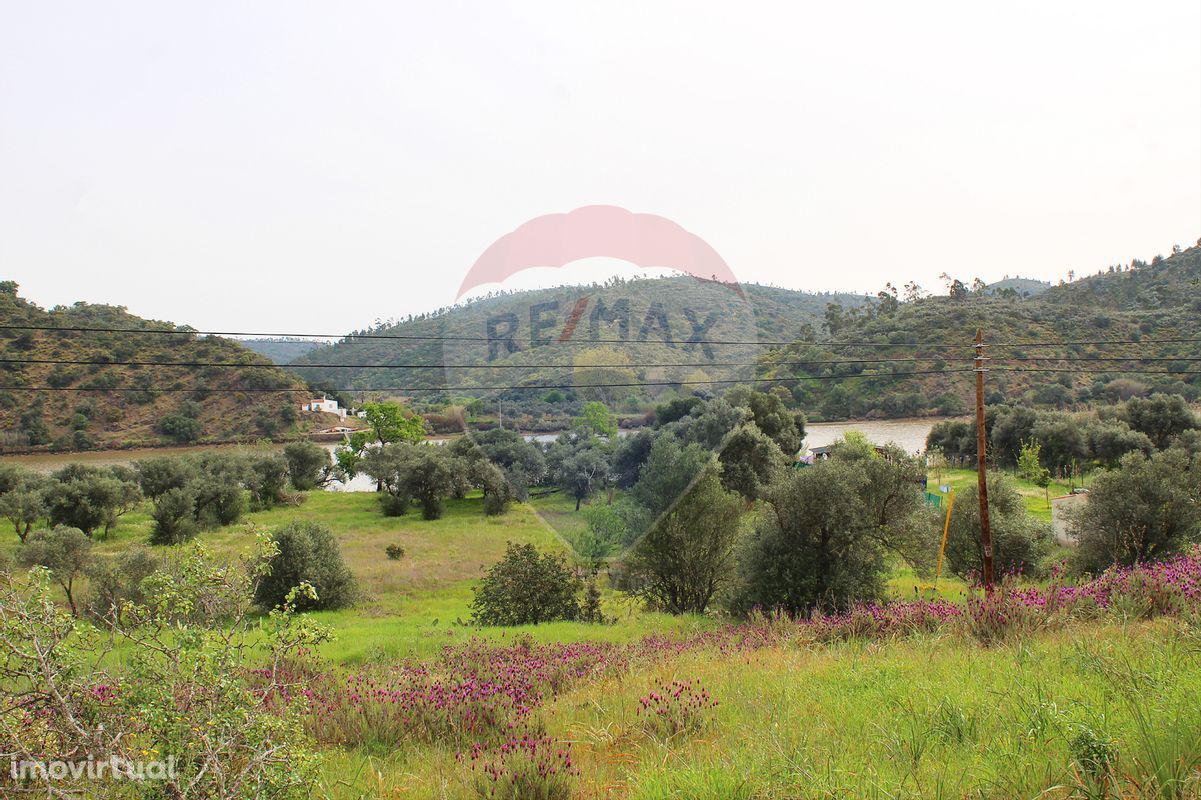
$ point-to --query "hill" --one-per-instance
(282, 349)
(1025, 287)
(176, 405)
(647, 321)
(1114, 324)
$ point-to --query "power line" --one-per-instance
(236, 365)
(456, 338)
(533, 387)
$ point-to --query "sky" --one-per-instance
(304, 167)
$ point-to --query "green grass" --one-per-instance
(926, 717)
(930, 716)
(1035, 496)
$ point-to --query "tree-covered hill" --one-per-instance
(176, 405)
(643, 321)
(1113, 325)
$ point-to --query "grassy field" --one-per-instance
(923, 717)
(1035, 496)
(932, 715)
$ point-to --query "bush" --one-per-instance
(1148, 509)
(173, 517)
(180, 428)
(1020, 541)
(308, 552)
(394, 552)
(116, 582)
(308, 464)
(526, 588)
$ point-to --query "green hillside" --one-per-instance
(177, 405)
(611, 320)
(1138, 307)
(281, 349)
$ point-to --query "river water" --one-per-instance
(909, 434)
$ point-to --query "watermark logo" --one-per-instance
(92, 769)
(538, 363)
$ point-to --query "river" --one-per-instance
(909, 434)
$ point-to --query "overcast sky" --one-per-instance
(311, 166)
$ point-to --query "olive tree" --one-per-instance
(687, 555)
(1147, 509)
(64, 552)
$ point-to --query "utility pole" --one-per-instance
(981, 463)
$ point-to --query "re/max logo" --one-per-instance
(549, 323)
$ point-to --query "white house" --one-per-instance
(325, 405)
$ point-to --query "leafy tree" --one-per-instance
(309, 465)
(526, 588)
(814, 547)
(631, 453)
(117, 582)
(1148, 509)
(306, 552)
(218, 500)
(785, 428)
(174, 520)
(349, 457)
(584, 472)
(669, 469)
(22, 498)
(159, 475)
(1030, 466)
(267, 479)
(410, 472)
(708, 424)
(1019, 540)
(392, 422)
(750, 461)
(87, 498)
(1063, 440)
(523, 462)
(675, 409)
(687, 555)
(498, 492)
(595, 418)
(1161, 416)
(1013, 427)
(1110, 439)
(65, 552)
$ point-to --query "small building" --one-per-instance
(324, 405)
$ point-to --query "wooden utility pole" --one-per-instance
(981, 464)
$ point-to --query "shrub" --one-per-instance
(1020, 541)
(1148, 509)
(173, 517)
(526, 588)
(309, 465)
(394, 552)
(307, 552)
(180, 428)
